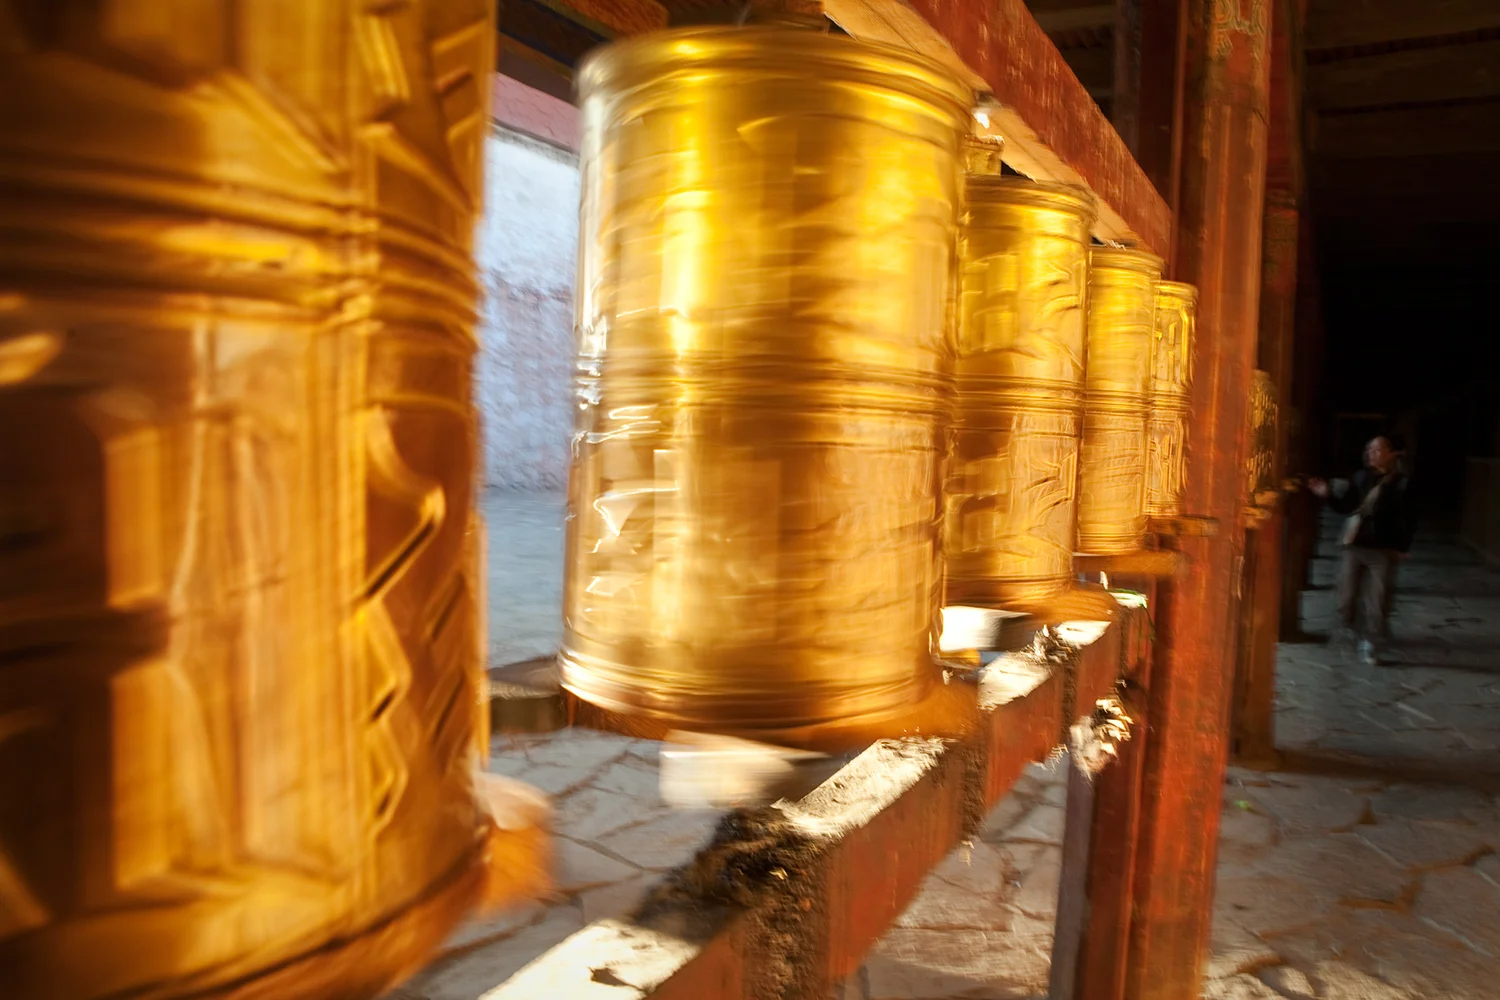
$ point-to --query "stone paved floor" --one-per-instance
(1367, 884)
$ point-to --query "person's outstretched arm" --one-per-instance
(1341, 495)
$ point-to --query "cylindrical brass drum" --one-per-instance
(1171, 402)
(237, 459)
(766, 253)
(1013, 474)
(1112, 472)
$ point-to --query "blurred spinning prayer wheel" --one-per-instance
(1019, 379)
(1171, 400)
(764, 364)
(239, 718)
(1112, 473)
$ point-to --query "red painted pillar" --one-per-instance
(1255, 690)
(1218, 248)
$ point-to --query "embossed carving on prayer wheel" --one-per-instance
(237, 609)
(1019, 376)
(1171, 401)
(767, 234)
(1261, 484)
(1112, 473)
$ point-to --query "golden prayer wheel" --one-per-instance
(1112, 472)
(1171, 399)
(1261, 472)
(766, 248)
(237, 574)
(1013, 472)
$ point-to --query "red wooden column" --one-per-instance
(1308, 444)
(1096, 899)
(1218, 249)
(1255, 687)
(1090, 953)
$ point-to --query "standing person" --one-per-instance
(1381, 519)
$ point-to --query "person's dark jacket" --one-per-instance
(1394, 520)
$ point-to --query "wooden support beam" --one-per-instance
(1441, 73)
(1340, 23)
(1218, 249)
(1091, 943)
(1053, 129)
(836, 867)
(1417, 131)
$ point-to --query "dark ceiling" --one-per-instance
(1402, 132)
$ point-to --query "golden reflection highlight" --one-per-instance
(766, 247)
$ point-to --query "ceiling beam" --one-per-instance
(1095, 69)
(1077, 18)
(1053, 130)
(611, 18)
(1339, 23)
(1467, 183)
(1438, 130)
(1440, 73)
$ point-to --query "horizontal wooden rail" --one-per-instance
(787, 899)
(1052, 128)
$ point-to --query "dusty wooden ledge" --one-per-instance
(1182, 525)
(1155, 563)
(787, 899)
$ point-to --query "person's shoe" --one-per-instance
(1367, 654)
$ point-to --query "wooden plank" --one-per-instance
(1053, 129)
(848, 857)
(1338, 23)
(1440, 73)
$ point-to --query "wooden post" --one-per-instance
(1092, 941)
(1218, 249)
(1255, 730)
(1308, 446)
(1255, 686)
